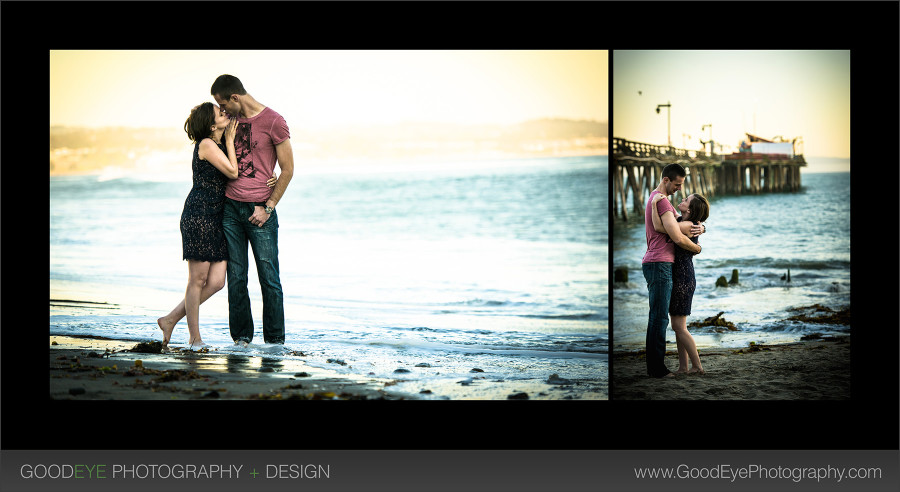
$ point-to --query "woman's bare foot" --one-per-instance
(696, 370)
(197, 345)
(681, 371)
(167, 328)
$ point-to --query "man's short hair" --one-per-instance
(673, 170)
(226, 85)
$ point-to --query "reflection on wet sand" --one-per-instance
(236, 363)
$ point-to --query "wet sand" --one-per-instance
(104, 369)
(806, 370)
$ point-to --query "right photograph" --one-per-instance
(730, 208)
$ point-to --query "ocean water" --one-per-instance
(498, 265)
(762, 236)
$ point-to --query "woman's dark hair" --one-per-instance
(226, 85)
(199, 123)
(698, 208)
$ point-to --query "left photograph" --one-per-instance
(329, 225)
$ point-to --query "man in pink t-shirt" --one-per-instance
(262, 139)
(657, 267)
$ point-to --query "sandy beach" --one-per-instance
(108, 369)
(807, 370)
(104, 369)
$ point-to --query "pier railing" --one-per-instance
(637, 170)
(638, 149)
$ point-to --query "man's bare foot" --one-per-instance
(167, 328)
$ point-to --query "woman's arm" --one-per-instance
(211, 153)
(230, 132)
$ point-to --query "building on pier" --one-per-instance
(760, 166)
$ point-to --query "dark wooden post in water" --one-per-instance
(637, 169)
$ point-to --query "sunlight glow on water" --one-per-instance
(762, 236)
(501, 266)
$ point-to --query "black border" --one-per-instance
(868, 421)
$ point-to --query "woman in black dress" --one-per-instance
(202, 236)
(694, 210)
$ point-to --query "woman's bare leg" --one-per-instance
(214, 283)
(682, 351)
(683, 336)
(199, 273)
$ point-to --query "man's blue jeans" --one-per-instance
(659, 285)
(264, 241)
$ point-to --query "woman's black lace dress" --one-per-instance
(683, 281)
(202, 235)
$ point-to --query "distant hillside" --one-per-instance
(79, 150)
(86, 150)
(116, 137)
(561, 129)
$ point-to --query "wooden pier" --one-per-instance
(637, 169)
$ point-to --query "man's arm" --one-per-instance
(285, 154)
(657, 222)
(674, 232)
(690, 230)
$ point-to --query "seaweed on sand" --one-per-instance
(148, 348)
(830, 316)
(717, 321)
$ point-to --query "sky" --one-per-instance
(318, 90)
(767, 93)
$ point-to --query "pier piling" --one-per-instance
(637, 169)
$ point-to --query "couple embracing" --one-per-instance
(668, 268)
(237, 143)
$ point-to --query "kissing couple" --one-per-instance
(237, 143)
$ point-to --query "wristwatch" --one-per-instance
(269, 209)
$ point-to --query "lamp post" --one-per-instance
(712, 149)
(668, 107)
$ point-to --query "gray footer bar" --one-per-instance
(449, 470)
